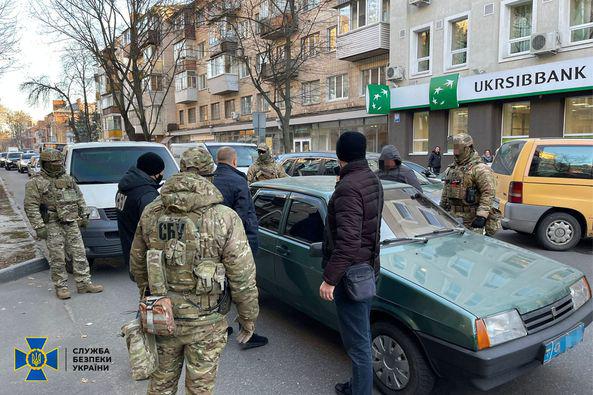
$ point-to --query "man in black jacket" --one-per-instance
(391, 168)
(352, 237)
(136, 190)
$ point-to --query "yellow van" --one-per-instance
(545, 187)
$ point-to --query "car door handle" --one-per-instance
(282, 250)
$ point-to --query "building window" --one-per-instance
(243, 71)
(360, 13)
(310, 4)
(578, 117)
(581, 20)
(421, 50)
(215, 111)
(515, 120)
(517, 23)
(185, 80)
(262, 103)
(181, 117)
(229, 108)
(337, 87)
(153, 83)
(246, 105)
(202, 82)
(457, 124)
(200, 50)
(203, 113)
(191, 115)
(420, 133)
(376, 75)
(310, 92)
(113, 123)
(183, 50)
(457, 36)
(310, 45)
(224, 64)
(332, 34)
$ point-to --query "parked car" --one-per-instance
(11, 160)
(450, 303)
(545, 188)
(323, 163)
(2, 158)
(34, 166)
(423, 170)
(97, 169)
(22, 164)
(246, 153)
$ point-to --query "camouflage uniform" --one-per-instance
(264, 167)
(204, 249)
(56, 208)
(469, 190)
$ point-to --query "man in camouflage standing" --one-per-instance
(203, 250)
(264, 168)
(470, 189)
(56, 208)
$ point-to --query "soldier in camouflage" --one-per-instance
(264, 167)
(56, 208)
(203, 250)
(470, 189)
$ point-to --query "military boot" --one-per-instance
(62, 293)
(89, 288)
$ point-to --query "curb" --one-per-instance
(23, 269)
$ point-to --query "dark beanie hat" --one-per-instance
(150, 163)
(351, 146)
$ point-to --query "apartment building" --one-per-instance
(500, 70)
(215, 97)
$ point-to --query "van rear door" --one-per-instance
(505, 169)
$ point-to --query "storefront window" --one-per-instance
(457, 124)
(515, 120)
(420, 132)
(578, 117)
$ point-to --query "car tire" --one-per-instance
(559, 231)
(392, 346)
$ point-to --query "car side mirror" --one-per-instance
(316, 250)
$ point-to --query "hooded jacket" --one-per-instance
(135, 191)
(400, 173)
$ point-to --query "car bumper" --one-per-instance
(495, 366)
(101, 239)
(522, 217)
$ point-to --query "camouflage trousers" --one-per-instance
(201, 347)
(62, 239)
(492, 223)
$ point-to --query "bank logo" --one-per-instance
(35, 359)
(443, 92)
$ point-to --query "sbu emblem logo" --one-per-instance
(35, 359)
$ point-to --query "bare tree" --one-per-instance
(18, 122)
(8, 35)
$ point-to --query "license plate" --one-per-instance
(565, 342)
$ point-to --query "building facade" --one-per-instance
(499, 70)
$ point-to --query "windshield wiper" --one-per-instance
(439, 231)
(398, 239)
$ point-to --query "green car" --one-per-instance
(450, 303)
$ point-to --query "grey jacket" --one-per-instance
(400, 173)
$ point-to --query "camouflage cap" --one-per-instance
(263, 147)
(50, 155)
(462, 139)
(197, 158)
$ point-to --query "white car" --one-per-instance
(23, 163)
(246, 153)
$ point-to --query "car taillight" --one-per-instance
(516, 192)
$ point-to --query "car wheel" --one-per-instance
(559, 231)
(399, 366)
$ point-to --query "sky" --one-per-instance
(38, 55)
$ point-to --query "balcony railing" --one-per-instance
(277, 26)
(225, 44)
(187, 64)
(279, 71)
(188, 95)
(223, 83)
(362, 43)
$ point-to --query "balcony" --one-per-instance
(278, 72)
(186, 64)
(223, 83)
(364, 42)
(226, 44)
(224, 9)
(277, 27)
(187, 95)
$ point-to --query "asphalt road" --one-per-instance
(303, 356)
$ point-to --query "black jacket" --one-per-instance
(400, 173)
(235, 190)
(434, 160)
(351, 227)
(135, 191)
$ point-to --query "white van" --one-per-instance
(97, 169)
(246, 153)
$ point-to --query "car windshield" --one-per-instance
(246, 154)
(506, 157)
(107, 165)
(14, 155)
(406, 213)
(28, 156)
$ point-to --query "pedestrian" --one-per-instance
(469, 191)
(487, 157)
(264, 167)
(391, 168)
(137, 188)
(434, 160)
(203, 251)
(351, 237)
(56, 209)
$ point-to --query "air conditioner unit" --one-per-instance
(235, 115)
(419, 3)
(544, 43)
(394, 73)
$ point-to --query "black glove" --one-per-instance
(479, 222)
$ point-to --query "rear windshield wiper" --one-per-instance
(439, 231)
(398, 239)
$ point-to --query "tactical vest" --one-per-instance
(184, 265)
(459, 180)
(60, 198)
(266, 172)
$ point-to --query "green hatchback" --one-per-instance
(450, 303)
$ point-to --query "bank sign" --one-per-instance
(451, 90)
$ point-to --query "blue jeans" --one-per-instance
(354, 319)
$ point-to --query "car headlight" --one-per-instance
(94, 213)
(499, 328)
(580, 292)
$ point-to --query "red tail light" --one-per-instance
(516, 192)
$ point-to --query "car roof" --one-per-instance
(114, 144)
(320, 154)
(212, 144)
(555, 140)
